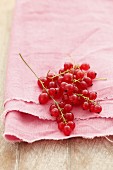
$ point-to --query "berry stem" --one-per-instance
(28, 66)
(55, 102)
(62, 115)
(57, 75)
(33, 72)
(86, 98)
(101, 79)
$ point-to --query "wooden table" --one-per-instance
(72, 154)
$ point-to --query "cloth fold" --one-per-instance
(46, 33)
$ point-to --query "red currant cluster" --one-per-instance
(70, 85)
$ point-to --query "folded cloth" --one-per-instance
(46, 32)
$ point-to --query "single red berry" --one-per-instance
(97, 109)
(62, 85)
(85, 66)
(91, 74)
(52, 91)
(55, 112)
(67, 107)
(83, 85)
(85, 93)
(68, 77)
(61, 125)
(58, 93)
(92, 95)
(52, 107)
(71, 124)
(43, 98)
(61, 104)
(76, 90)
(69, 88)
(79, 74)
(43, 80)
(73, 99)
(92, 108)
(60, 79)
(65, 98)
(69, 116)
(85, 106)
(52, 84)
(88, 81)
(81, 100)
(67, 130)
(68, 66)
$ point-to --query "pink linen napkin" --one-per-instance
(45, 32)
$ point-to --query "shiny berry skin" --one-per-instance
(97, 109)
(61, 125)
(44, 81)
(75, 89)
(92, 108)
(58, 93)
(43, 98)
(69, 116)
(52, 91)
(73, 99)
(67, 130)
(83, 85)
(71, 124)
(67, 107)
(62, 85)
(55, 112)
(68, 77)
(59, 119)
(79, 74)
(52, 107)
(91, 74)
(68, 66)
(85, 93)
(61, 104)
(65, 98)
(74, 76)
(69, 88)
(92, 95)
(85, 66)
(52, 84)
(60, 79)
(85, 106)
(88, 81)
(80, 100)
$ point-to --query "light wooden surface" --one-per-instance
(72, 154)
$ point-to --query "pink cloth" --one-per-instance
(45, 32)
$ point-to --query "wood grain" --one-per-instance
(72, 154)
(7, 151)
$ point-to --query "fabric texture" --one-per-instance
(46, 33)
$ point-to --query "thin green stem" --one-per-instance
(101, 79)
(56, 103)
(28, 66)
(57, 75)
(86, 98)
(33, 72)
